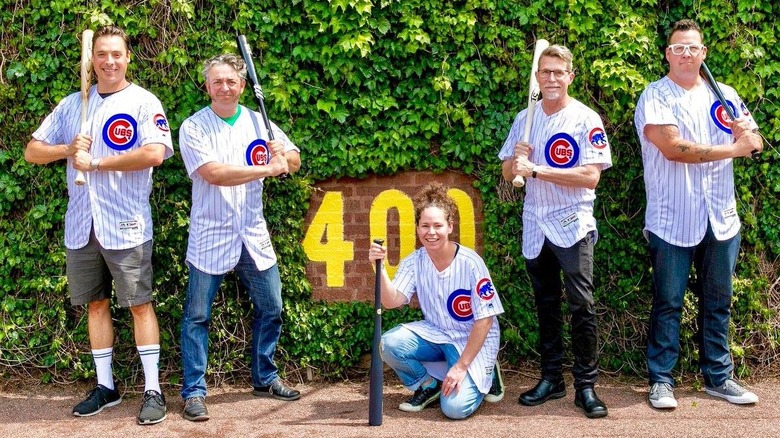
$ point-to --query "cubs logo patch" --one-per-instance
(745, 110)
(561, 151)
(721, 117)
(161, 122)
(459, 305)
(120, 132)
(485, 289)
(258, 153)
(597, 138)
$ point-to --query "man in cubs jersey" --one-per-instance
(563, 160)
(226, 150)
(108, 224)
(450, 354)
(688, 144)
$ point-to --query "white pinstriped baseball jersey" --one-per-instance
(682, 198)
(451, 300)
(573, 136)
(223, 218)
(115, 203)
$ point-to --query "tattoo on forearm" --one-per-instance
(698, 149)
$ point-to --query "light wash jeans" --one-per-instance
(404, 351)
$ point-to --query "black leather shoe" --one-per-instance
(587, 399)
(543, 391)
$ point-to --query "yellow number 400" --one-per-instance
(325, 240)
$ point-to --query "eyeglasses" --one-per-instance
(693, 49)
(558, 74)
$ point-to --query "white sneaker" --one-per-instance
(733, 392)
(662, 396)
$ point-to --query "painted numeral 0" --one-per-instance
(325, 240)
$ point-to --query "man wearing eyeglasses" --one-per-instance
(688, 144)
(563, 161)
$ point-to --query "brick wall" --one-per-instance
(358, 196)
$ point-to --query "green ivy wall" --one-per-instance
(376, 87)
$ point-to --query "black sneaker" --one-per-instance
(97, 399)
(195, 409)
(153, 408)
(422, 398)
(276, 390)
(496, 392)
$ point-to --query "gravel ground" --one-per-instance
(341, 410)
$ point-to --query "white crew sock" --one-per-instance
(103, 359)
(150, 358)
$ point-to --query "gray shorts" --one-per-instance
(91, 269)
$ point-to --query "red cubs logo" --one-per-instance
(562, 151)
(597, 138)
(459, 305)
(721, 117)
(120, 132)
(745, 110)
(161, 122)
(258, 153)
(485, 289)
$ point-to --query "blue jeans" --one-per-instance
(265, 292)
(404, 351)
(714, 262)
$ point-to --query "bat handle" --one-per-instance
(518, 182)
(80, 178)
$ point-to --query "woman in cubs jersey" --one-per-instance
(450, 355)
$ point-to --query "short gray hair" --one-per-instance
(560, 52)
(227, 59)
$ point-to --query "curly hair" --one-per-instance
(434, 195)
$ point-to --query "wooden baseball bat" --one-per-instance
(86, 83)
(377, 378)
(533, 97)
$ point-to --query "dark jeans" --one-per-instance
(714, 262)
(576, 264)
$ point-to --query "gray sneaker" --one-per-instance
(733, 392)
(97, 399)
(195, 409)
(153, 408)
(662, 396)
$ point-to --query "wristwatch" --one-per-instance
(533, 171)
(94, 163)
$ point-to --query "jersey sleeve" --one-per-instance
(58, 124)
(484, 297)
(654, 108)
(153, 125)
(515, 134)
(593, 137)
(404, 280)
(196, 148)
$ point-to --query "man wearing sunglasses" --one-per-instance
(688, 144)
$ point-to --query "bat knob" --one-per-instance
(379, 241)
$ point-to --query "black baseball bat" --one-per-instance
(707, 75)
(257, 90)
(375, 386)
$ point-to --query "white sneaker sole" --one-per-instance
(747, 398)
(664, 403)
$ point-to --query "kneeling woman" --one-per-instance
(451, 354)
